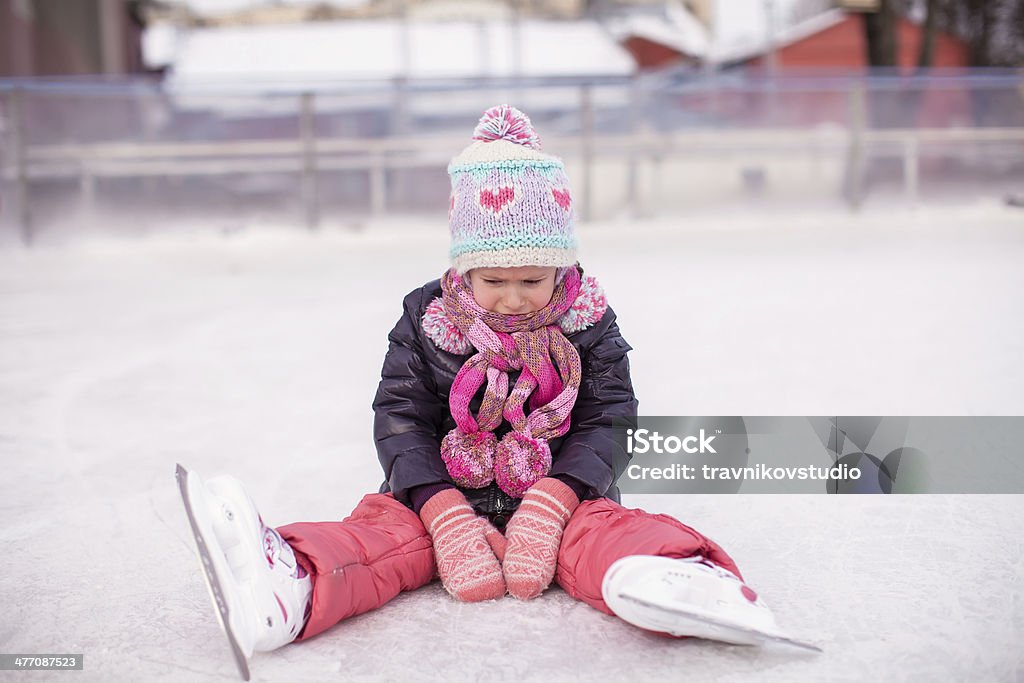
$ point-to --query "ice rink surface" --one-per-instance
(257, 354)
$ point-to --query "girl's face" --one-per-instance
(513, 291)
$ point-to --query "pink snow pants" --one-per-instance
(382, 549)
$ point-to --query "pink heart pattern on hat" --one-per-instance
(562, 197)
(496, 200)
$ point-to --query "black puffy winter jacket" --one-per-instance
(411, 414)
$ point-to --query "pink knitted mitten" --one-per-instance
(534, 534)
(467, 548)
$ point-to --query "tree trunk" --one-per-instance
(880, 34)
(982, 22)
(926, 55)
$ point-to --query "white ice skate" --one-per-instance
(690, 597)
(261, 594)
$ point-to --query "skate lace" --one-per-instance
(708, 565)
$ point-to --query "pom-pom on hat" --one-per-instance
(510, 204)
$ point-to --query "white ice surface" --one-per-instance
(258, 355)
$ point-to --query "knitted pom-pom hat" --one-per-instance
(510, 203)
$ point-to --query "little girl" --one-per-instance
(493, 423)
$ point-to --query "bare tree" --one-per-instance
(1016, 25)
(880, 34)
(926, 55)
(981, 17)
(1006, 42)
(992, 29)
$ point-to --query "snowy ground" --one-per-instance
(257, 354)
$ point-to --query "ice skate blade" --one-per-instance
(703, 618)
(210, 571)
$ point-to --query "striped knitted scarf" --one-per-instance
(550, 380)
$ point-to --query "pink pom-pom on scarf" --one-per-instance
(469, 457)
(520, 461)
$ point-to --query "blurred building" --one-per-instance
(836, 39)
(661, 34)
(658, 33)
(237, 12)
(256, 12)
(70, 37)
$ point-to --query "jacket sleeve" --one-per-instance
(407, 412)
(590, 452)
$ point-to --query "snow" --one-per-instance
(744, 46)
(213, 8)
(384, 49)
(258, 354)
(742, 28)
(676, 28)
(159, 44)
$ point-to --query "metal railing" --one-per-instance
(628, 130)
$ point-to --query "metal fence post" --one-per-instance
(21, 174)
(632, 180)
(396, 179)
(587, 149)
(87, 188)
(853, 180)
(310, 190)
(910, 168)
(378, 185)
